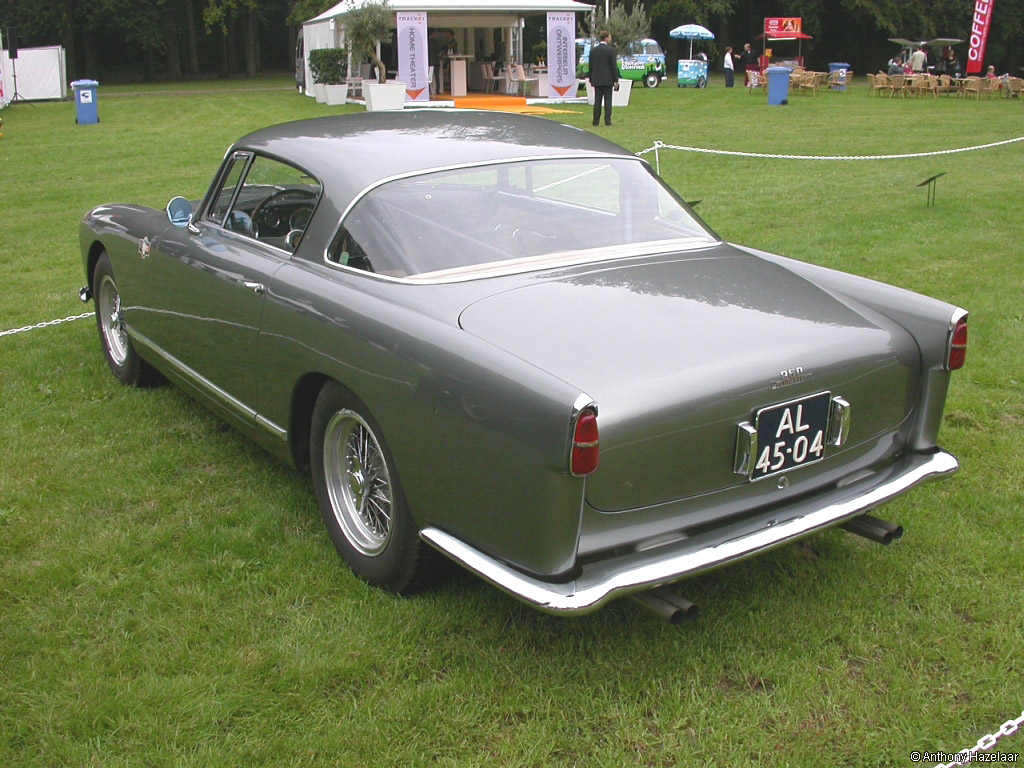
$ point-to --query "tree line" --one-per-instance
(115, 40)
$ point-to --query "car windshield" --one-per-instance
(466, 221)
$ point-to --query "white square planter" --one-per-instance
(620, 98)
(320, 91)
(336, 95)
(384, 96)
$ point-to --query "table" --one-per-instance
(457, 69)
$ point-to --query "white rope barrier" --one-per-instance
(659, 145)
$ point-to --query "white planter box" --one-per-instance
(620, 98)
(320, 91)
(336, 95)
(384, 96)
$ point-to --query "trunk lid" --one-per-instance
(678, 350)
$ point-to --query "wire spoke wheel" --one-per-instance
(108, 305)
(358, 482)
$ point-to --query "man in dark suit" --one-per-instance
(604, 76)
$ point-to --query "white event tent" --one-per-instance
(482, 28)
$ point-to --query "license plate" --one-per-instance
(791, 435)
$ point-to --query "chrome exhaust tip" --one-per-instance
(667, 606)
(885, 533)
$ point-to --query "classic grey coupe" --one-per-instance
(437, 313)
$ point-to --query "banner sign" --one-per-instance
(412, 55)
(3, 94)
(776, 26)
(561, 55)
(979, 35)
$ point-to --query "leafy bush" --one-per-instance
(329, 65)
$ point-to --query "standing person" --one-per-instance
(604, 75)
(750, 63)
(728, 66)
(434, 58)
(953, 64)
(918, 60)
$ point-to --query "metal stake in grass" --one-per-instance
(931, 187)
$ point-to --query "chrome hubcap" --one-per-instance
(108, 304)
(358, 482)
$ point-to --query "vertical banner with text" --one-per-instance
(3, 95)
(412, 55)
(561, 55)
(979, 35)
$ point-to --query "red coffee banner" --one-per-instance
(979, 35)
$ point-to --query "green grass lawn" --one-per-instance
(168, 596)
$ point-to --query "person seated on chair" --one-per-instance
(896, 67)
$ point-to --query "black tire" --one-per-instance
(360, 496)
(123, 360)
(651, 80)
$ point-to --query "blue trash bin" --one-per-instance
(844, 73)
(778, 85)
(85, 101)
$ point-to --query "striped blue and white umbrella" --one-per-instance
(692, 32)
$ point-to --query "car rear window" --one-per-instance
(458, 222)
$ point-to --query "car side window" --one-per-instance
(222, 200)
(274, 202)
(346, 251)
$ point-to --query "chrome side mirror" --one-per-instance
(179, 212)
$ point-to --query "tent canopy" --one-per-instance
(936, 42)
(327, 29)
(461, 7)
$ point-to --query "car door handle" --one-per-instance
(254, 287)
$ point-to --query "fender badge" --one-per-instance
(791, 377)
(144, 247)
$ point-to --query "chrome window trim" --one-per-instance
(202, 215)
(601, 254)
(218, 184)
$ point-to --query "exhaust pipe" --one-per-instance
(666, 605)
(872, 528)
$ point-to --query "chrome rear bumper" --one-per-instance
(603, 580)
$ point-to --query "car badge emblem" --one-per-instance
(792, 376)
(144, 247)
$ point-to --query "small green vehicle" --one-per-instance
(643, 60)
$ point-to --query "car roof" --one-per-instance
(349, 153)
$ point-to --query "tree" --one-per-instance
(222, 13)
(364, 28)
(304, 10)
(626, 27)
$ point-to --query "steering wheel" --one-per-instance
(274, 199)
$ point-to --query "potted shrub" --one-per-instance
(316, 71)
(333, 71)
(364, 28)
